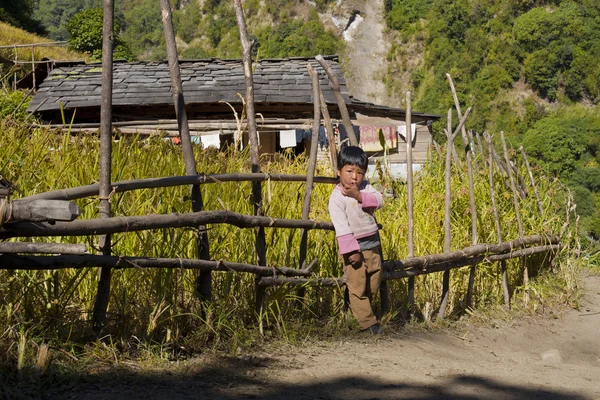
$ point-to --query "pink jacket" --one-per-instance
(353, 220)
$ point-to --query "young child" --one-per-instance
(351, 207)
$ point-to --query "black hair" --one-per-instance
(352, 155)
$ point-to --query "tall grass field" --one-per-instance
(158, 308)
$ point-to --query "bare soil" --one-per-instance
(556, 356)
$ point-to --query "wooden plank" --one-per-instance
(41, 210)
(42, 248)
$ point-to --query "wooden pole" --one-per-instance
(42, 248)
(203, 281)
(104, 241)
(518, 216)
(535, 189)
(329, 129)
(102, 226)
(261, 243)
(335, 87)
(449, 146)
(505, 291)
(469, 152)
(409, 188)
(149, 183)
(312, 162)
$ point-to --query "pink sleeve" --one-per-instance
(369, 200)
(347, 243)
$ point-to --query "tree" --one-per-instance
(19, 13)
(54, 14)
(85, 29)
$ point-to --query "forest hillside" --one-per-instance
(529, 68)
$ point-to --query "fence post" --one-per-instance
(261, 243)
(105, 189)
(513, 188)
(469, 152)
(505, 291)
(203, 281)
(409, 188)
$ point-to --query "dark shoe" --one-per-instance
(374, 330)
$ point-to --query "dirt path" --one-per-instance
(530, 358)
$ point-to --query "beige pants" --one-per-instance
(363, 283)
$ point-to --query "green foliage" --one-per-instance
(560, 140)
(85, 29)
(142, 29)
(19, 13)
(401, 13)
(54, 14)
(297, 38)
(13, 104)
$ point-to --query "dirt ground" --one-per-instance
(552, 357)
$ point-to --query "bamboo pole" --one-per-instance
(261, 243)
(518, 216)
(104, 241)
(203, 280)
(535, 189)
(410, 210)
(505, 291)
(150, 183)
(101, 226)
(335, 87)
(469, 155)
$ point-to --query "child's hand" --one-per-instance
(355, 259)
(352, 191)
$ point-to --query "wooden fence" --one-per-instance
(14, 255)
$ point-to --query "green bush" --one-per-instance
(13, 103)
(85, 29)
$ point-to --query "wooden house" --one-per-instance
(213, 92)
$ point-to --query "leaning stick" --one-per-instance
(335, 87)
(329, 129)
(535, 189)
(446, 278)
(469, 154)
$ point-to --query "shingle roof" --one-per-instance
(204, 81)
(282, 88)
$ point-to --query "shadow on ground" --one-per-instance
(233, 378)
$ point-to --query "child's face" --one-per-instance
(351, 176)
